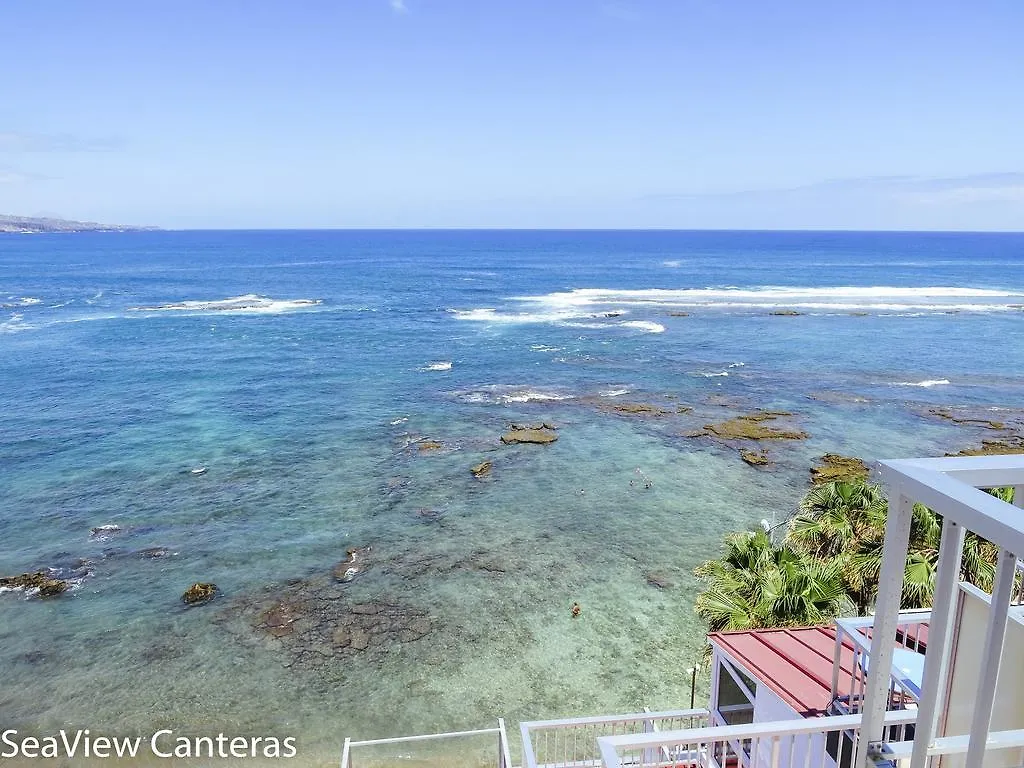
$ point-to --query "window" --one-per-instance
(735, 705)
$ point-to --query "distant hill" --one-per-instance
(25, 224)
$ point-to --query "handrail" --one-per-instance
(609, 746)
(954, 745)
(504, 760)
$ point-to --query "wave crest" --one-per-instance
(250, 303)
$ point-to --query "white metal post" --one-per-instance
(991, 657)
(887, 608)
(940, 641)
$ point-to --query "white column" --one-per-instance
(940, 641)
(883, 634)
(991, 656)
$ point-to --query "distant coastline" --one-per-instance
(33, 225)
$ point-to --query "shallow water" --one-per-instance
(308, 417)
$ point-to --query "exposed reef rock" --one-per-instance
(541, 425)
(521, 434)
(355, 562)
(835, 468)
(752, 427)
(785, 313)
(40, 581)
(839, 398)
(199, 593)
(482, 469)
(755, 458)
(104, 532)
(1007, 446)
(428, 446)
(678, 314)
(950, 415)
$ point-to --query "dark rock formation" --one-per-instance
(199, 593)
(482, 469)
(835, 468)
(752, 427)
(46, 585)
(755, 458)
(785, 312)
(658, 579)
(531, 435)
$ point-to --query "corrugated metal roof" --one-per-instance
(794, 663)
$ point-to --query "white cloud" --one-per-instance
(398, 6)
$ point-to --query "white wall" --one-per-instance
(769, 708)
(972, 624)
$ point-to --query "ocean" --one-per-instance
(245, 408)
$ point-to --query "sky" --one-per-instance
(515, 113)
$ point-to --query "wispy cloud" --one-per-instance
(981, 187)
(15, 141)
(11, 176)
(398, 6)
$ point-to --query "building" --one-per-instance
(941, 688)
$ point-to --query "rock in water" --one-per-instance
(755, 458)
(539, 436)
(481, 469)
(352, 565)
(199, 593)
(836, 468)
(40, 580)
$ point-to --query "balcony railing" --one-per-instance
(852, 660)
(377, 747)
(572, 742)
(816, 742)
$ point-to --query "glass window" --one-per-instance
(733, 704)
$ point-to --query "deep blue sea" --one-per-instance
(337, 386)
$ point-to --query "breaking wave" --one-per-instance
(440, 365)
(505, 394)
(843, 298)
(250, 304)
(925, 383)
(644, 325)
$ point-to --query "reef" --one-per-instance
(658, 579)
(965, 418)
(785, 313)
(835, 468)
(752, 427)
(44, 584)
(755, 458)
(199, 593)
(539, 435)
(482, 469)
(1003, 447)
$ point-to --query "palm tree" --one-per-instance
(835, 523)
(760, 584)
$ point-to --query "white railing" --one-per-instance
(815, 742)
(998, 741)
(953, 488)
(853, 635)
(572, 742)
(502, 758)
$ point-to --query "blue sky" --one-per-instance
(515, 113)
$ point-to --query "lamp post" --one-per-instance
(692, 672)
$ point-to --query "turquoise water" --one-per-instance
(125, 368)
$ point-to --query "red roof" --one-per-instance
(794, 663)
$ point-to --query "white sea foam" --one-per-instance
(492, 315)
(614, 392)
(440, 365)
(249, 303)
(15, 323)
(14, 302)
(402, 420)
(507, 393)
(925, 383)
(737, 365)
(644, 325)
(713, 375)
(673, 263)
(545, 348)
(842, 298)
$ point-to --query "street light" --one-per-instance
(692, 672)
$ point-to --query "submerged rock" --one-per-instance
(531, 435)
(836, 468)
(40, 581)
(658, 579)
(678, 314)
(104, 532)
(354, 563)
(638, 409)
(199, 593)
(785, 313)
(427, 446)
(966, 418)
(755, 458)
(482, 469)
